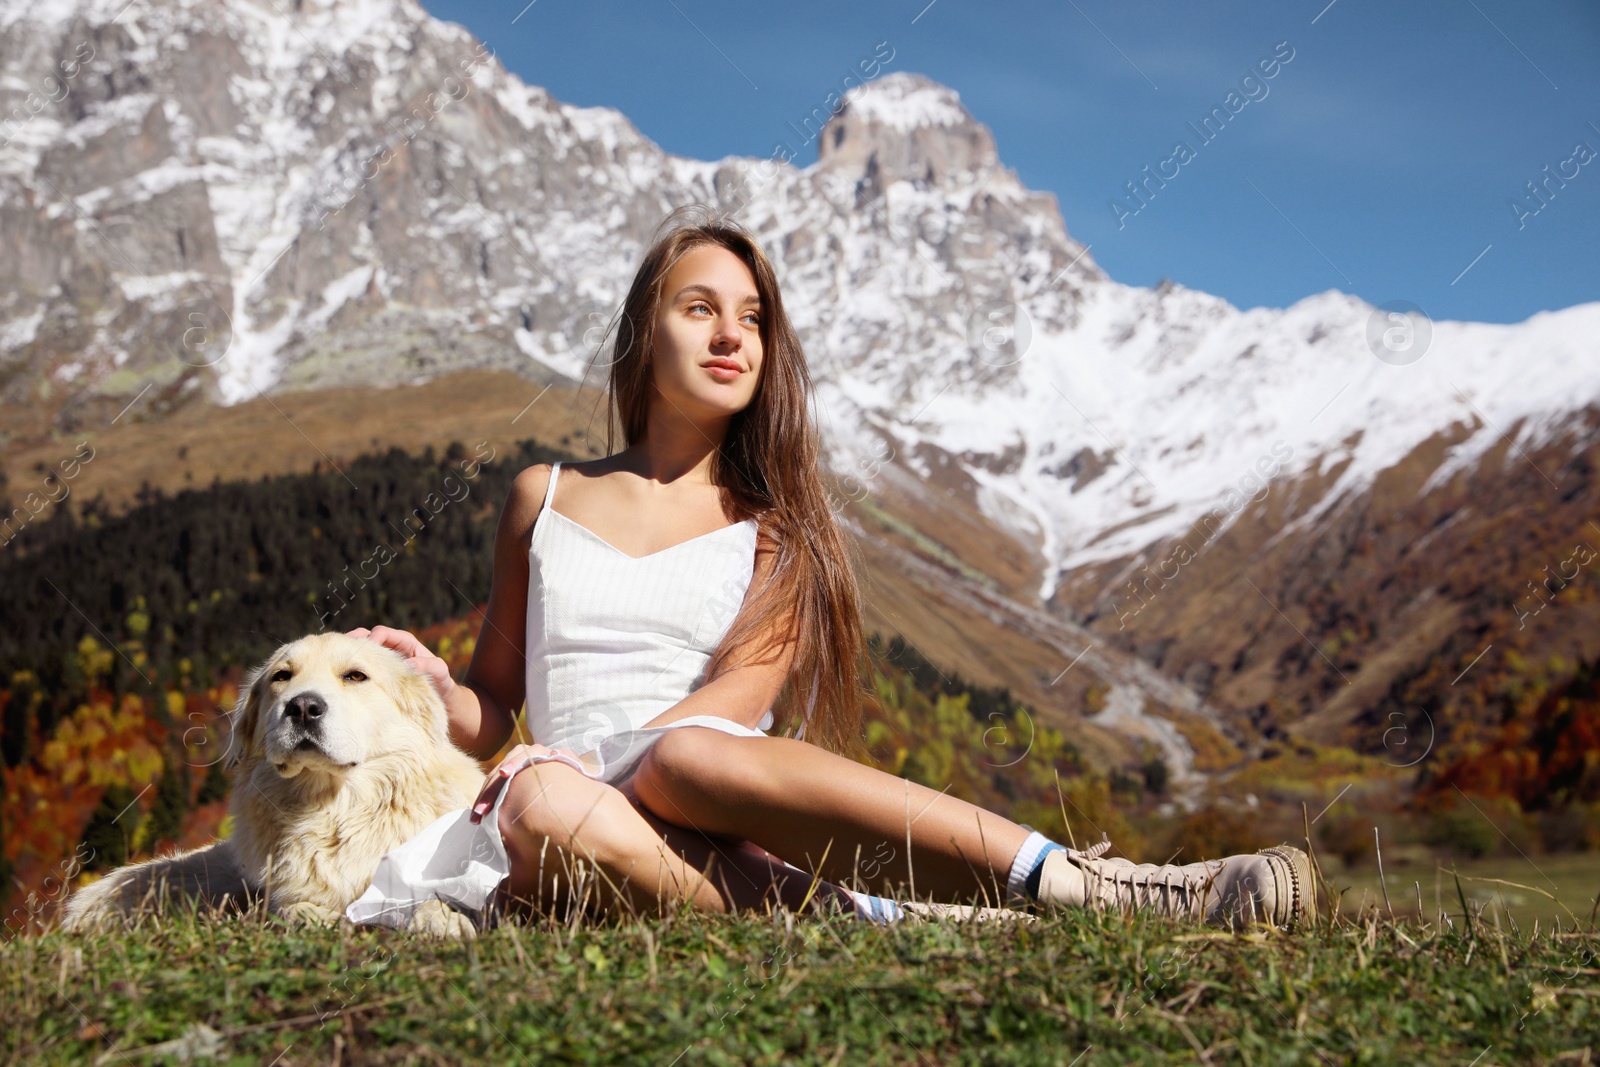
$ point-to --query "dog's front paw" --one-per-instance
(309, 913)
(435, 918)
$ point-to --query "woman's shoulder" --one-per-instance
(529, 488)
(526, 496)
(532, 481)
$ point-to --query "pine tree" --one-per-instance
(111, 828)
(166, 818)
(214, 786)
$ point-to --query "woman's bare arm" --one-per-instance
(484, 706)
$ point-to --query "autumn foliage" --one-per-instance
(1547, 759)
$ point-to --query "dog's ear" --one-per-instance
(417, 698)
(246, 713)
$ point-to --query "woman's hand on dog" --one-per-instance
(416, 653)
(504, 772)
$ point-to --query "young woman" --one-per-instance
(660, 609)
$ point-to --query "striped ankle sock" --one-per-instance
(876, 909)
(1022, 883)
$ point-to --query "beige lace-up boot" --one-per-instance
(1273, 886)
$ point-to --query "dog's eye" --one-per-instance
(282, 674)
(355, 676)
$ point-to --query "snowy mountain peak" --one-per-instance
(906, 126)
(904, 101)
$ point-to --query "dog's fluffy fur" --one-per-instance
(341, 753)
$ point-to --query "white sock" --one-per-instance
(1022, 882)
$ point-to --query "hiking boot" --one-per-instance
(1273, 885)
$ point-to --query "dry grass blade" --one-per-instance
(816, 879)
(1514, 885)
(1378, 848)
(1316, 867)
(1188, 1034)
(1465, 911)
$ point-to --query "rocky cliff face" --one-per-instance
(225, 199)
(205, 201)
(230, 198)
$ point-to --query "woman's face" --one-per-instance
(709, 318)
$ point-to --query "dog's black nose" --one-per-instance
(305, 708)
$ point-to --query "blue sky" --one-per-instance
(1382, 159)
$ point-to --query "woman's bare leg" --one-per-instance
(800, 801)
(555, 816)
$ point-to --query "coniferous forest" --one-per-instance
(189, 585)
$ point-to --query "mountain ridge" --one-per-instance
(230, 201)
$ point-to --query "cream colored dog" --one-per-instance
(342, 753)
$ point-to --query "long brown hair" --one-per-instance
(769, 465)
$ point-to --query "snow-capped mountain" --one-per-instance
(226, 198)
(217, 156)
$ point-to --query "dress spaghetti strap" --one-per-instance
(550, 489)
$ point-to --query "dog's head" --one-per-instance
(329, 702)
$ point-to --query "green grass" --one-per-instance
(692, 989)
(1548, 887)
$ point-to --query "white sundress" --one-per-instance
(613, 640)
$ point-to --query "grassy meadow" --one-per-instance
(1066, 988)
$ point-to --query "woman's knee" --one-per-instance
(693, 765)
